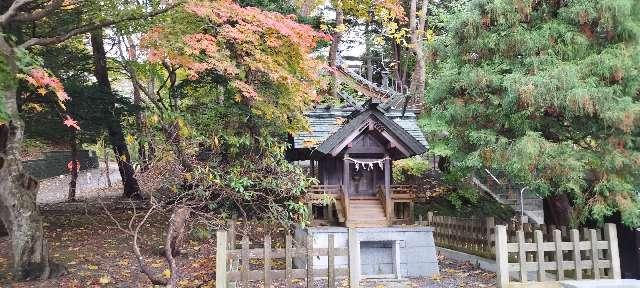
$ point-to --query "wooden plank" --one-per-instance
(267, 261)
(309, 261)
(244, 266)
(522, 256)
(221, 258)
(575, 238)
(331, 273)
(502, 256)
(594, 253)
(287, 263)
(611, 236)
(537, 235)
(557, 237)
(258, 275)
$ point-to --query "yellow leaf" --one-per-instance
(130, 139)
(42, 91)
(341, 28)
(123, 157)
(92, 267)
(105, 280)
(166, 273)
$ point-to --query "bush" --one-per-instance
(408, 168)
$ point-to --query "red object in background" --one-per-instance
(70, 166)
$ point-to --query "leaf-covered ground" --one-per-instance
(97, 254)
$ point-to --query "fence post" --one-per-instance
(287, 259)
(354, 259)
(331, 273)
(611, 235)
(221, 259)
(522, 256)
(309, 259)
(593, 236)
(557, 238)
(490, 222)
(429, 218)
(267, 261)
(537, 235)
(577, 260)
(502, 256)
(244, 258)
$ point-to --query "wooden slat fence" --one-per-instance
(256, 263)
(477, 235)
(593, 252)
(469, 235)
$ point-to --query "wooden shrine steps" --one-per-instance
(366, 213)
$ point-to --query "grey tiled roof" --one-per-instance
(325, 122)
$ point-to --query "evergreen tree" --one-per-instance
(547, 91)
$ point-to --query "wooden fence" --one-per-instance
(477, 235)
(591, 258)
(469, 235)
(249, 265)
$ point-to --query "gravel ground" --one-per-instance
(91, 183)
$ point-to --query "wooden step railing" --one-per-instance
(317, 194)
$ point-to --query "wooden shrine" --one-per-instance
(351, 150)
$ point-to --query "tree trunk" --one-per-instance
(74, 168)
(107, 169)
(418, 78)
(116, 135)
(132, 52)
(333, 50)
(557, 210)
(367, 52)
(18, 209)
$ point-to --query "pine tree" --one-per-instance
(547, 91)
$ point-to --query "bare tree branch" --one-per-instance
(91, 27)
(40, 13)
(13, 9)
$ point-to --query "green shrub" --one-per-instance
(410, 167)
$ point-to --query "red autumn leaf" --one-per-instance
(71, 123)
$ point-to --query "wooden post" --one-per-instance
(309, 260)
(287, 259)
(522, 256)
(354, 259)
(244, 266)
(221, 259)
(345, 186)
(412, 208)
(231, 244)
(540, 254)
(611, 236)
(594, 253)
(502, 257)
(557, 238)
(387, 188)
(490, 223)
(267, 261)
(575, 239)
(430, 218)
(331, 272)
